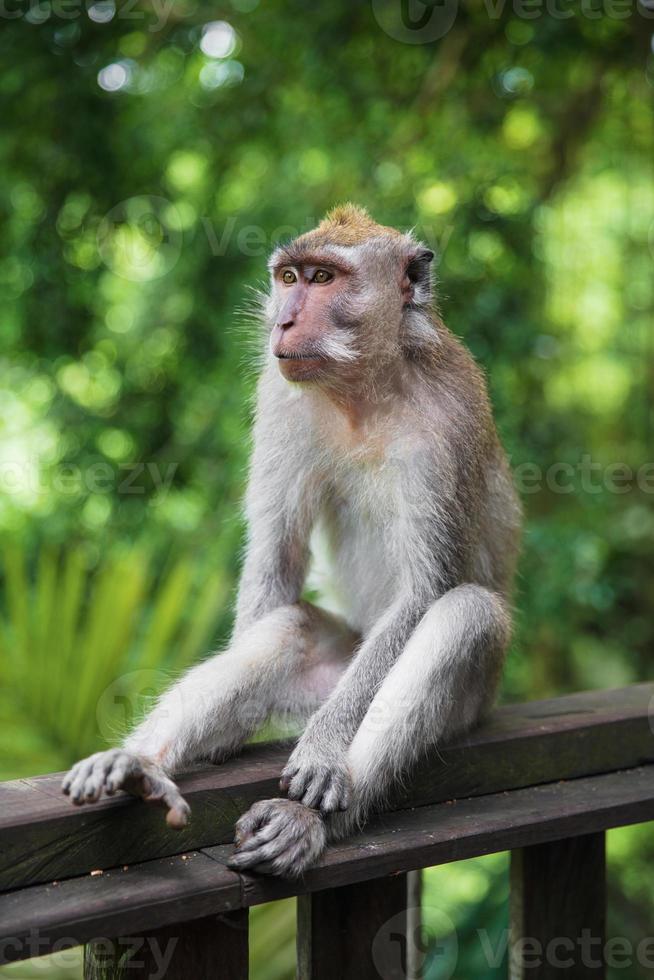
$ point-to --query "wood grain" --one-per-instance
(214, 947)
(43, 837)
(128, 902)
(352, 931)
(173, 890)
(434, 835)
(558, 910)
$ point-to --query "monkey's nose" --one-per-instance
(285, 323)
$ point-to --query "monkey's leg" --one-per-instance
(442, 684)
(443, 681)
(289, 661)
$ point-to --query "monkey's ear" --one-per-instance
(418, 274)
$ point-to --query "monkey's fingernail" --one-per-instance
(177, 819)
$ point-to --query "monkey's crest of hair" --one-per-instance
(347, 224)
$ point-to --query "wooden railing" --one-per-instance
(544, 780)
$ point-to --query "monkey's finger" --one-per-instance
(252, 820)
(286, 854)
(256, 864)
(300, 783)
(268, 851)
(82, 772)
(68, 779)
(336, 798)
(155, 787)
(125, 767)
(95, 780)
(250, 863)
(167, 794)
(80, 768)
(279, 832)
(316, 789)
(262, 836)
(244, 860)
(287, 776)
(178, 814)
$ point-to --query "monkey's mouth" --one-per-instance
(302, 357)
(296, 366)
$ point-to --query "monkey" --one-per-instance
(377, 467)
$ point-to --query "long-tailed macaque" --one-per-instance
(375, 451)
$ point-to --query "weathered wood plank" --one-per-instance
(120, 902)
(214, 947)
(558, 910)
(415, 950)
(446, 832)
(42, 836)
(171, 890)
(356, 932)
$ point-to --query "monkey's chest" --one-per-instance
(358, 547)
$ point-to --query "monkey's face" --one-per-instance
(312, 331)
(339, 296)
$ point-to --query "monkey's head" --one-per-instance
(348, 298)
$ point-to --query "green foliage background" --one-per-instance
(149, 163)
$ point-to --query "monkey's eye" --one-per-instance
(288, 277)
(322, 276)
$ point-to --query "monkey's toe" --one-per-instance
(278, 837)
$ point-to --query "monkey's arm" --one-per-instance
(217, 705)
(275, 562)
(317, 772)
(208, 713)
(281, 503)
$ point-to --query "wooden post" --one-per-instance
(355, 932)
(415, 953)
(215, 947)
(558, 910)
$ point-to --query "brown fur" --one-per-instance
(347, 224)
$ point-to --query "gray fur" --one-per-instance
(393, 457)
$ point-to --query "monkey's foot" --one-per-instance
(325, 784)
(278, 837)
(107, 772)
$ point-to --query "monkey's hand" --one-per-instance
(321, 781)
(116, 769)
(278, 837)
